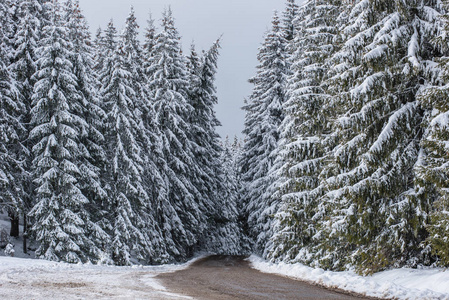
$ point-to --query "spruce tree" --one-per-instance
(290, 15)
(375, 221)
(150, 39)
(12, 151)
(264, 115)
(92, 160)
(432, 176)
(127, 195)
(148, 138)
(223, 235)
(303, 134)
(60, 216)
(180, 213)
(25, 41)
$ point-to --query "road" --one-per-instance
(230, 277)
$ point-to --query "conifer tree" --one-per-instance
(375, 221)
(150, 39)
(25, 41)
(148, 138)
(264, 115)
(60, 214)
(303, 134)
(105, 45)
(181, 215)
(12, 151)
(220, 210)
(290, 15)
(432, 176)
(127, 195)
(226, 237)
(93, 156)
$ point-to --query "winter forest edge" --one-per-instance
(109, 152)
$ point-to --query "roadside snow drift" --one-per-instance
(396, 284)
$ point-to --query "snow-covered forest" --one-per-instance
(109, 151)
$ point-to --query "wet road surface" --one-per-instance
(231, 277)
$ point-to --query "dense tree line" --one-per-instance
(345, 156)
(108, 148)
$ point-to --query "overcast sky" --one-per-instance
(242, 23)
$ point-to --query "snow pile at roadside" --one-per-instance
(402, 283)
(38, 279)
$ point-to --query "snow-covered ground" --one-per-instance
(37, 279)
(395, 284)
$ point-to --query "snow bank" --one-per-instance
(398, 284)
(39, 279)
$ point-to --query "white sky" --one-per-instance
(242, 23)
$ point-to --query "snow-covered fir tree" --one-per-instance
(264, 115)
(148, 137)
(23, 66)
(92, 160)
(181, 217)
(303, 131)
(289, 19)
(374, 220)
(150, 39)
(12, 151)
(60, 214)
(127, 195)
(105, 44)
(432, 180)
(223, 234)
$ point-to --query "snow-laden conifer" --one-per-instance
(288, 21)
(60, 214)
(13, 173)
(374, 220)
(432, 169)
(303, 131)
(127, 196)
(92, 160)
(264, 115)
(223, 235)
(180, 214)
(148, 138)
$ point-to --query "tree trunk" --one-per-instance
(25, 232)
(14, 224)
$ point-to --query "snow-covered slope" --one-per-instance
(38, 279)
(402, 283)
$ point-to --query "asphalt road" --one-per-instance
(231, 277)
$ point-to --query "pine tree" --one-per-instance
(264, 115)
(303, 134)
(180, 212)
(105, 45)
(60, 215)
(25, 41)
(375, 220)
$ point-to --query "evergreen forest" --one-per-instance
(109, 151)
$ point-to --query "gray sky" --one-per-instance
(242, 23)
